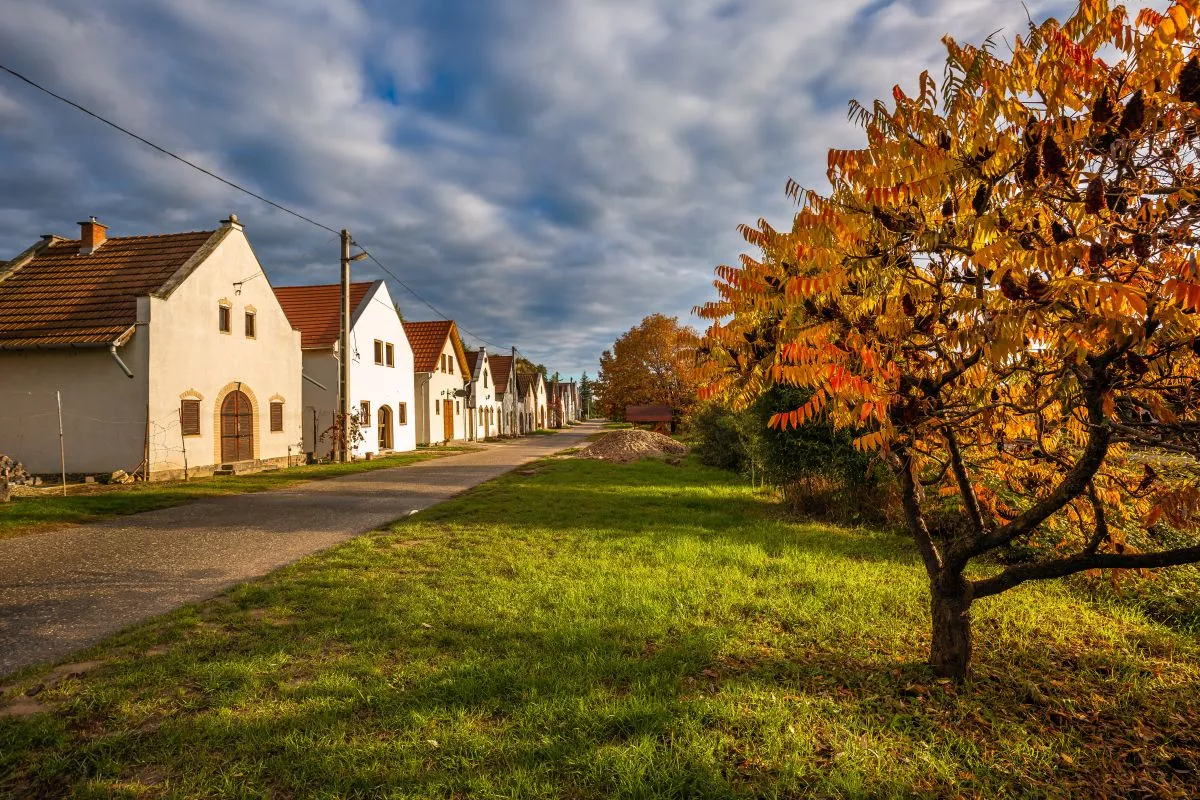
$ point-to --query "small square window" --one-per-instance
(389, 354)
(276, 417)
(251, 330)
(402, 413)
(378, 352)
(225, 319)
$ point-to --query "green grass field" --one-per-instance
(593, 630)
(30, 514)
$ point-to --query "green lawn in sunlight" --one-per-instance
(582, 629)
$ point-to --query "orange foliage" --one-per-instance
(1001, 287)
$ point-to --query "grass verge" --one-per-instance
(32, 513)
(589, 630)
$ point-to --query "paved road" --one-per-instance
(66, 589)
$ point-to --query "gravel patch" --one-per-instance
(623, 446)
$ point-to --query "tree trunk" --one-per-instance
(950, 653)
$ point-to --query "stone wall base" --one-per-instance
(259, 465)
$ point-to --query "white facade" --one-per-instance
(382, 393)
(484, 416)
(442, 392)
(176, 353)
(510, 401)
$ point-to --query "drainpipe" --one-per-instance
(112, 351)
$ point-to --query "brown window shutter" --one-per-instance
(276, 417)
(189, 417)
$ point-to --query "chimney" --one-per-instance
(232, 222)
(92, 234)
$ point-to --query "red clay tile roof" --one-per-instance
(59, 297)
(427, 340)
(501, 368)
(316, 311)
(472, 360)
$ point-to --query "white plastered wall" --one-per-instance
(191, 358)
(104, 412)
(381, 385)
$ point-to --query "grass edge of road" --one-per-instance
(27, 514)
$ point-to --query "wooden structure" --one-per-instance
(661, 417)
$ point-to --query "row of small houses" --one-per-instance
(172, 354)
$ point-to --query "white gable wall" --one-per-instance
(191, 358)
(381, 385)
(432, 389)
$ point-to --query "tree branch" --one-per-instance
(1045, 570)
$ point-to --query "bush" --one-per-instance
(718, 438)
(816, 468)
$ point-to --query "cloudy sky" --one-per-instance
(547, 172)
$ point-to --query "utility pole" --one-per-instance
(344, 353)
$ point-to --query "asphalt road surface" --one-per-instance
(66, 589)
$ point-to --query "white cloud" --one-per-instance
(548, 172)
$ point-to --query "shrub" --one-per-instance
(718, 438)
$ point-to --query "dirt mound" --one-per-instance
(631, 444)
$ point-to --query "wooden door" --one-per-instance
(237, 428)
(384, 422)
(448, 419)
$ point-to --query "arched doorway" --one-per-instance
(384, 416)
(237, 428)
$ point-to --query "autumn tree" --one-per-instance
(1000, 293)
(651, 364)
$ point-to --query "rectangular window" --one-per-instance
(457, 407)
(251, 331)
(450, 364)
(378, 352)
(437, 408)
(485, 372)
(189, 417)
(276, 417)
(402, 414)
(225, 319)
(389, 354)
(364, 413)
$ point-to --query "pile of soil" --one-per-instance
(631, 444)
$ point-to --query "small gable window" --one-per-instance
(450, 365)
(378, 352)
(251, 328)
(276, 417)
(485, 372)
(389, 354)
(224, 319)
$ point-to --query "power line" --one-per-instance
(167, 152)
(233, 185)
(431, 306)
